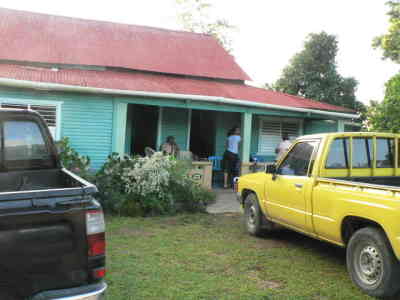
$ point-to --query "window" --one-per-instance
(48, 112)
(384, 153)
(338, 154)
(24, 146)
(362, 152)
(298, 160)
(271, 134)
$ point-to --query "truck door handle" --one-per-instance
(298, 185)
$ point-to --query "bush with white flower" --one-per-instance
(149, 186)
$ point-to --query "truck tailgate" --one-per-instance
(43, 239)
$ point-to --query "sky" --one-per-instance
(269, 32)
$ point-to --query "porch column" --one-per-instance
(246, 136)
(340, 126)
(159, 127)
(119, 127)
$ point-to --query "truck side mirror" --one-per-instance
(270, 169)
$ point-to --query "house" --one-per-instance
(119, 88)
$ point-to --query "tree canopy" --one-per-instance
(312, 73)
(385, 116)
(390, 41)
(196, 16)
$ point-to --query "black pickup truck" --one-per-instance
(52, 241)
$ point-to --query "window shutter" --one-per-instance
(271, 134)
(292, 129)
(48, 112)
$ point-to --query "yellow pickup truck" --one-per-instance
(343, 188)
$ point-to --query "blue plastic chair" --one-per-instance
(217, 178)
(216, 162)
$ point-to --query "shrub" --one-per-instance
(153, 185)
(72, 160)
(134, 186)
(112, 193)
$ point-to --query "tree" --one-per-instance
(312, 73)
(385, 116)
(390, 42)
(195, 16)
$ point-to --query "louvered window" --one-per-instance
(48, 112)
(271, 134)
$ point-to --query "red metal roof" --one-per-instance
(139, 81)
(37, 37)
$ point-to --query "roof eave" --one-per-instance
(74, 88)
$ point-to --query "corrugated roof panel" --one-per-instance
(37, 37)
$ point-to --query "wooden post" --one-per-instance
(119, 127)
(159, 128)
(340, 124)
(246, 136)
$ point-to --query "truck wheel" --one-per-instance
(372, 264)
(256, 223)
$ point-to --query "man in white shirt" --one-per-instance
(283, 146)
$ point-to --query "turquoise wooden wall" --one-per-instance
(85, 119)
(175, 122)
(319, 126)
(351, 128)
(223, 123)
(88, 124)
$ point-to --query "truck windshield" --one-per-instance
(24, 146)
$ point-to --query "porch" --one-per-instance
(201, 129)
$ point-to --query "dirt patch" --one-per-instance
(126, 231)
(264, 284)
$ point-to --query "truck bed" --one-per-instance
(33, 180)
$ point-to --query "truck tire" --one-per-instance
(372, 264)
(256, 223)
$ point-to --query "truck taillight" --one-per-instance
(95, 228)
(99, 273)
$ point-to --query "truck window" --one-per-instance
(362, 150)
(384, 153)
(24, 146)
(297, 160)
(338, 154)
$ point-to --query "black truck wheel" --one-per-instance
(256, 223)
(372, 264)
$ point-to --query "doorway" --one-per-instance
(144, 124)
(202, 133)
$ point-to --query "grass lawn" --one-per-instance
(211, 257)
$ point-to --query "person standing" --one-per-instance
(283, 146)
(231, 156)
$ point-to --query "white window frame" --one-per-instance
(300, 123)
(29, 102)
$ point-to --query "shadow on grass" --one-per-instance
(293, 239)
(327, 251)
